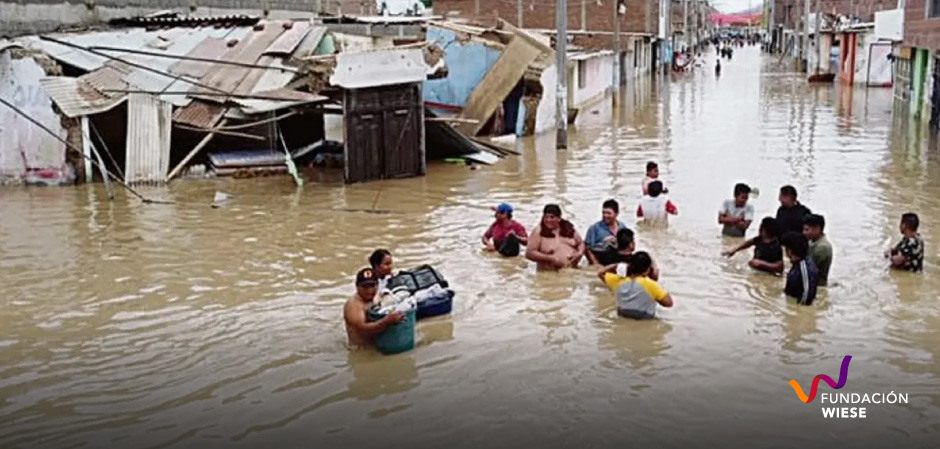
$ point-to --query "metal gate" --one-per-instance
(384, 133)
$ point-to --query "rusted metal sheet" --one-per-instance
(289, 40)
(76, 98)
(254, 75)
(108, 78)
(247, 51)
(200, 114)
(148, 138)
(210, 48)
(498, 83)
(384, 133)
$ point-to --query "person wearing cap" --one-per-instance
(505, 235)
(601, 237)
(555, 243)
(359, 330)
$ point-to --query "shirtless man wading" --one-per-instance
(554, 243)
(359, 330)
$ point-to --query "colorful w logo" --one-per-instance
(843, 377)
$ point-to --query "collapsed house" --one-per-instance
(154, 98)
(169, 96)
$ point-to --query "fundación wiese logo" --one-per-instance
(844, 398)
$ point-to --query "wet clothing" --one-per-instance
(802, 281)
(821, 253)
(609, 256)
(594, 239)
(912, 248)
(729, 207)
(770, 252)
(636, 296)
(790, 219)
(499, 233)
(655, 208)
(510, 247)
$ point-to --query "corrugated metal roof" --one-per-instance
(207, 49)
(176, 41)
(5, 44)
(200, 114)
(76, 98)
(310, 43)
(148, 138)
(379, 68)
(228, 78)
(289, 40)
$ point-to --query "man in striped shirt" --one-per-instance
(803, 278)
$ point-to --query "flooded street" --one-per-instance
(183, 326)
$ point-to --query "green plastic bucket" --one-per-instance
(397, 338)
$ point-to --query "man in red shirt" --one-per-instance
(505, 235)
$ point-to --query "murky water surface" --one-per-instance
(126, 325)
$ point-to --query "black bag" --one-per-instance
(416, 279)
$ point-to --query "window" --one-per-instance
(933, 9)
(582, 74)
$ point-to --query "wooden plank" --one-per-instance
(498, 83)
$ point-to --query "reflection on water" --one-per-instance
(187, 326)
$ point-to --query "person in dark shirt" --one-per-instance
(908, 254)
(768, 254)
(791, 213)
(803, 278)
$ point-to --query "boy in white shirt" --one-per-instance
(655, 206)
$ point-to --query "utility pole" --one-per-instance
(583, 15)
(617, 53)
(816, 36)
(667, 13)
(561, 64)
(798, 34)
(806, 9)
(476, 8)
(685, 23)
(518, 13)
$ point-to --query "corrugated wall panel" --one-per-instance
(148, 139)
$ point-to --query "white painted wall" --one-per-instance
(598, 80)
(545, 114)
(22, 144)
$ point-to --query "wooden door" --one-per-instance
(384, 131)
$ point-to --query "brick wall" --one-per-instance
(541, 13)
(919, 31)
(864, 9)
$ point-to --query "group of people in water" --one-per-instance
(794, 234)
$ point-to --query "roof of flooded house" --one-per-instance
(185, 65)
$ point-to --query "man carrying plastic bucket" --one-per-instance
(360, 331)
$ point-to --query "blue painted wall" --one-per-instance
(467, 64)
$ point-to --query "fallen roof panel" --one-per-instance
(76, 98)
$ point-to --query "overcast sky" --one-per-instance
(735, 5)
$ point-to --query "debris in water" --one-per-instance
(220, 199)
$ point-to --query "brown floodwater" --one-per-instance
(184, 326)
